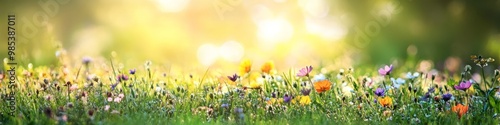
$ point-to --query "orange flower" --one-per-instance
(245, 67)
(460, 109)
(322, 86)
(268, 67)
(386, 101)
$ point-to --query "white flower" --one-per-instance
(409, 75)
(319, 77)
(397, 82)
(497, 95)
(158, 89)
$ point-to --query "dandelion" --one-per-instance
(460, 110)
(245, 67)
(233, 78)
(322, 86)
(380, 92)
(385, 70)
(464, 85)
(305, 71)
(268, 67)
(386, 101)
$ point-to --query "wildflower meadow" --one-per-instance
(102, 93)
(249, 62)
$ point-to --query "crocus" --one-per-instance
(447, 96)
(322, 86)
(233, 78)
(287, 98)
(305, 71)
(460, 110)
(385, 70)
(464, 85)
(380, 92)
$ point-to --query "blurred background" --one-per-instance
(220, 33)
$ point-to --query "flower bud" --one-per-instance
(467, 68)
(497, 72)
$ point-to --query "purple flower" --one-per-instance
(233, 78)
(122, 77)
(464, 85)
(113, 86)
(385, 70)
(132, 71)
(86, 60)
(225, 105)
(380, 92)
(305, 71)
(447, 96)
(306, 91)
(287, 98)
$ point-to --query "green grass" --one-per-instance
(197, 100)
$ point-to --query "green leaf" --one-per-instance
(476, 86)
(492, 101)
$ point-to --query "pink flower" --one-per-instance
(48, 97)
(64, 118)
(110, 99)
(464, 85)
(385, 70)
(73, 87)
(106, 108)
(305, 71)
(118, 99)
(121, 95)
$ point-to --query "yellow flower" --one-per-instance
(274, 101)
(386, 101)
(305, 100)
(255, 81)
(268, 67)
(245, 67)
